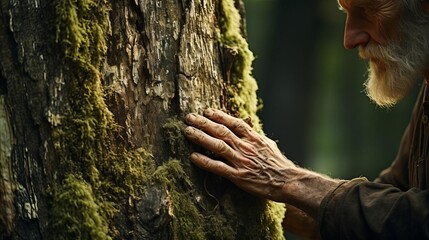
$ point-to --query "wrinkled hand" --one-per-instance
(254, 163)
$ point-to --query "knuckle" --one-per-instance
(221, 147)
(202, 121)
(206, 164)
(238, 123)
(259, 140)
(225, 150)
(247, 148)
(222, 131)
(270, 141)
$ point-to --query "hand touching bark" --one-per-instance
(254, 161)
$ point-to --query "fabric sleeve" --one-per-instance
(359, 209)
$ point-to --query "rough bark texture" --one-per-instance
(92, 94)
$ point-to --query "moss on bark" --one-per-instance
(242, 98)
(77, 212)
(263, 218)
(82, 136)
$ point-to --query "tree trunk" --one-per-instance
(92, 96)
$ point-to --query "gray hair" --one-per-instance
(405, 59)
(415, 11)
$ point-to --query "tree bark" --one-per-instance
(92, 96)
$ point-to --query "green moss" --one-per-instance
(84, 205)
(242, 98)
(272, 219)
(190, 220)
(262, 218)
(83, 137)
(258, 218)
(127, 172)
(173, 132)
(218, 227)
(187, 220)
(82, 28)
(82, 218)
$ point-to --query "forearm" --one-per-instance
(306, 189)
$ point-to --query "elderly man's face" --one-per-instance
(395, 44)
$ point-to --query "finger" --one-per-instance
(237, 125)
(210, 143)
(214, 166)
(212, 128)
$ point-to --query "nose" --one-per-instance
(355, 34)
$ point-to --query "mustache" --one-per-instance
(377, 51)
(390, 54)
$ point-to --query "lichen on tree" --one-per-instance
(84, 137)
(77, 212)
(241, 87)
(114, 164)
(243, 102)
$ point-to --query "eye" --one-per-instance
(369, 12)
(363, 12)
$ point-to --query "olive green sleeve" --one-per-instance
(359, 209)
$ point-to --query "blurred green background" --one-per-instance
(312, 89)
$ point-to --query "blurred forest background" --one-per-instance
(312, 90)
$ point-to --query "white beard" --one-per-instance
(394, 68)
(388, 82)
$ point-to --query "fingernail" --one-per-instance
(208, 112)
(189, 130)
(193, 157)
(190, 117)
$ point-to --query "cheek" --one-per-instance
(387, 20)
(389, 30)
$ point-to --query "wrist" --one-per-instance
(306, 189)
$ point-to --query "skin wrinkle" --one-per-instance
(394, 36)
(238, 124)
(275, 181)
(245, 150)
(260, 168)
(246, 147)
(225, 150)
(273, 176)
(396, 64)
(223, 132)
(385, 15)
(402, 25)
